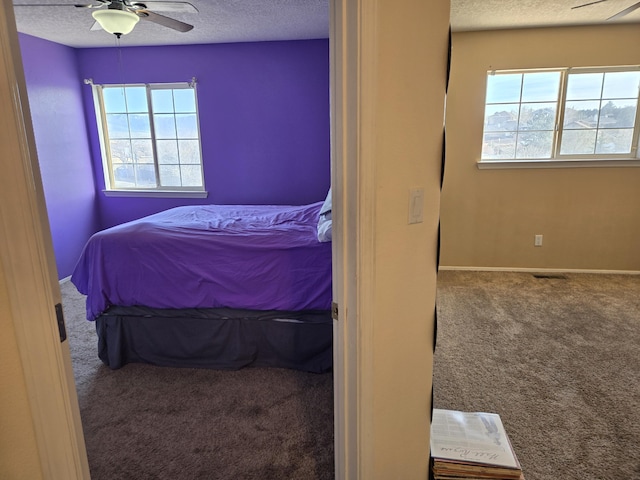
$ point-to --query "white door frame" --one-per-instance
(352, 38)
(344, 347)
(26, 257)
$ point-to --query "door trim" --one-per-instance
(26, 255)
(353, 38)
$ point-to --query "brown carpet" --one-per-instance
(558, 359)
(144, 422)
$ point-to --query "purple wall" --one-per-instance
(264, 118)
(54, 89)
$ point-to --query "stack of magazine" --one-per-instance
(471, 446)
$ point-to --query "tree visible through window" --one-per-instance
(150, 137)
(561, 114)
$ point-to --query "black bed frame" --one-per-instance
(216, 338)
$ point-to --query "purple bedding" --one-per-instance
(209, 256)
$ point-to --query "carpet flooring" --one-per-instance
(557, 358)
(143, 422)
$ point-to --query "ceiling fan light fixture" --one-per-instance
(118, 22)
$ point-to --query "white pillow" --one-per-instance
(324, 222)
(326, 206)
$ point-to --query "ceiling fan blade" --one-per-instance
(587, 4)
(100, 4)
(164, 21)
(626, 11)
(181, 7)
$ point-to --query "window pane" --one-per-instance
(187, 126)
(579, 115)
(618, 113)
(185, 100)
(621, 85)
(577, 142)
(584, 86)
(499, 146)
(142, 151)
(123, 176)
(599, 114)
(501, 118)
(165, 126)
(534, 145)
(504, 88)
(137, 99)
(120, 151)
(140, 127)
(191, 175)
(117, 125)
(614, 141)
(541, 87)
(537, 116)
(167, 151)
(140, 154)
(162, 101)
(145, 176)
(189, 151)
(170, 176)
(113, 98)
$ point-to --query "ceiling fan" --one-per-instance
(620, 14)
(120, 16)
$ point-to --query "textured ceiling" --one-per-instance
(500, 14)
(222, 21)
(217, 21)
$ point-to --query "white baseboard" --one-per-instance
(531, 270)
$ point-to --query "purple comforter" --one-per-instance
(209, 256)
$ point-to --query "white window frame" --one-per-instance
(159, 190)
(558, 160)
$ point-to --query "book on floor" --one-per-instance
(471, 445)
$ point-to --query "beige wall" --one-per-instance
(406, 150)
(590, 217)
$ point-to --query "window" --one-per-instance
(150, 137)
(563, 114)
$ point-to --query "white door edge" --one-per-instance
(26, 256)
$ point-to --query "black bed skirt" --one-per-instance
(216, 338)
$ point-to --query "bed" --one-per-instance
(213, 286)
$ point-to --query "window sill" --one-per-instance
(157, 193)
(614, 163)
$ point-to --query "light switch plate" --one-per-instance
(416, 205)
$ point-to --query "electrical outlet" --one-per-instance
(537, 242)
